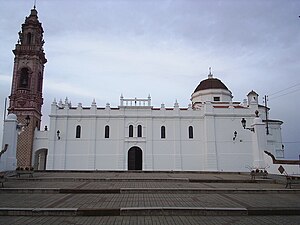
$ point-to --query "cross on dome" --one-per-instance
(210, 75)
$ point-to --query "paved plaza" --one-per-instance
(147, 198)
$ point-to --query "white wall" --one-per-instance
(212, 147)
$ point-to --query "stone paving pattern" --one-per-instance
(154, 220)
(117, 180)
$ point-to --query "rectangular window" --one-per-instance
(191, 132)
(216, 99)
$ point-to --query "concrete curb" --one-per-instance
(282, 211)
(271, 181)
(147, 191)
(38, 211)
(185, 180)
(89, 191)
(149, 211)
(206, 191)
(142, 171)
(182, 211)
(87, 179)
(99, 212)
(30, 190)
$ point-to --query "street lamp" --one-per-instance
(234, 135)
(58, 134)
(243, 121)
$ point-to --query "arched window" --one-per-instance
(191, 132)
(163, 132)
(139, 131)
(78, 131)
(130, 131)
(24, 78)
(106, 135)
(29, 38)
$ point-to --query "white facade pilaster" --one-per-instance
(259, 144)
(210, 138)
(8, 160)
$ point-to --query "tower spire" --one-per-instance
(34, 5)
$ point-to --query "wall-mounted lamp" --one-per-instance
(20, 126)
(234, 135)
(3, 150)
(243, 121)
(58, 134)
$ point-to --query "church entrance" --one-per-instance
(135, 158)
(40, 159)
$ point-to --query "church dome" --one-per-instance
(211, 83)
(211, 90)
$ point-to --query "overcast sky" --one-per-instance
(102, 49)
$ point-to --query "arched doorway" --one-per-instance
(135, 158)
(40, 159)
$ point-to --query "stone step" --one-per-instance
(87, 179)
(149, 211)
(148, 191)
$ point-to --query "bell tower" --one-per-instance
(27, 84)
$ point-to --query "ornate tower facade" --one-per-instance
(27, 84)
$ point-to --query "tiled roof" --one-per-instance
(211, 83)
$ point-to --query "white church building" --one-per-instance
(207, 135)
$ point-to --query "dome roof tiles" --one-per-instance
(211, 83)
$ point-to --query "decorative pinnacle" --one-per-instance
(176, 103)
(210, 74)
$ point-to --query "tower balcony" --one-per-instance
(28, 48)
(23, 91)
(27, 93)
